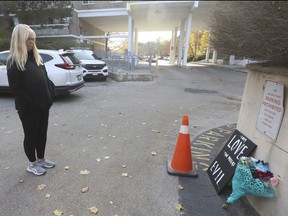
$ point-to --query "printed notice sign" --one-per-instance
(223, 167)
(271, 110)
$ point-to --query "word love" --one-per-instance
(237, 147)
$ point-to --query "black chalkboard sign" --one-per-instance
(222, 168)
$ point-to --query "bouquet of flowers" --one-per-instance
(252, 177)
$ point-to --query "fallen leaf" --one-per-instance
(179, 207)
(21, 180)
(180, 187)
(156, 131)
(47, 196)
(107, 157)
(93, 210)
(66, 167)
(111, 202)
(85, 189)
(125, 174)
(57, 212)
(84, 172)
(98, 159)
(41, 187)
(153, 153)
(123, 166)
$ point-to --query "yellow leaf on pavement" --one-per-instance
(179, 207)
(47, 196)
(41, 187)
(85, 189)
(153, 153)
(180, 187)
(57, 212)
(93, 210)
(84, 172)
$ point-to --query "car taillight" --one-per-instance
(66, 66)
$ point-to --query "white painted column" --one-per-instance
(214, 57)
(136, 41)
(231, 59)
(175, 39)
(207, 51)
(180, 49)
(172, 49)
(130, 34)
(188, 31)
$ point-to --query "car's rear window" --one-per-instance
(46, 57)
(84, 56)
(3, 58)
(70, 58)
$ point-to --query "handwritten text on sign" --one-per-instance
(271, 110)
(222, 168)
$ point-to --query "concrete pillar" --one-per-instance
(214, 57)
(130, 34)
(231, 59)
(172, 48)
(207, 53)
(188, 31)
(180, 47)
(136, 41)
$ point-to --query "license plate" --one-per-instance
(94, 74)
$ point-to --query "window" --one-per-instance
(46, 57)
(3, 58)
(88, 2)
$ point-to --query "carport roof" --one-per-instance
(149, 16)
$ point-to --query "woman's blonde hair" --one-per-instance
(18, 48)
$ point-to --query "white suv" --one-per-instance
(92, 67)
(63, 69)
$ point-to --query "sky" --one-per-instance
(144, 37)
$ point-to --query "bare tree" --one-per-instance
(253, 29)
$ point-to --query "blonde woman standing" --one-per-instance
(28, 80)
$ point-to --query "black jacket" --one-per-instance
(30, 86)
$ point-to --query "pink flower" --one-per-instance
(274, 181)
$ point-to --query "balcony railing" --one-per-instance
(51, 29)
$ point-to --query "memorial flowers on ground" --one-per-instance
(252, 177)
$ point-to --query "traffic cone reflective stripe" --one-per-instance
(184, 129)
(181, 163)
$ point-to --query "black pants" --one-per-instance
(35, 125)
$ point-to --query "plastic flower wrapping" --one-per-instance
(252, 177)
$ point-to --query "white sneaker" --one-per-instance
(36, 169)
(45, 163)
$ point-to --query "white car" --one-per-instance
(63, 69)
(92, 67)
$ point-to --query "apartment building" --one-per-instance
(93, 22)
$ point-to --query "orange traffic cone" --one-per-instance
(181, 163)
